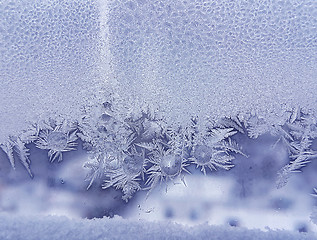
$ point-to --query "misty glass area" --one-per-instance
(188, 111)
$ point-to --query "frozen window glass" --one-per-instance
(159, 110)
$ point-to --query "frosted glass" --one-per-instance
(49, 56)
(113, 107)
(205, 58)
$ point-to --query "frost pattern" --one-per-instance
(16, 145)
(137, 150)
(132, 146)
(295, 130)
(219, 58)
(56, 138)
(49, 53)
(143, 150)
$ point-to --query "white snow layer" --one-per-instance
(205, 58)
(54, 227)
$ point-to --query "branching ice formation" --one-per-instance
(131, 151)
(138, 151)
(134, 152)
(295, 130)
(56, 138)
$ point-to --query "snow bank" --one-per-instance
(53, 227)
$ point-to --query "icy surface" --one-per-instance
(205, 58)
(51, 227)
(216, 58)
(113, 77)
(49, 52)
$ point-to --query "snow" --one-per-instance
(54, 227)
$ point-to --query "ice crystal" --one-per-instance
(15, 144)
(295, 130)
(101, 130)
(97, 169)
(149, 152)
(127, 175)
(212, 149)
(134, 152)
(302, 131)
(166, 165)
(18, 145)
(57, 138)
(204, 156)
